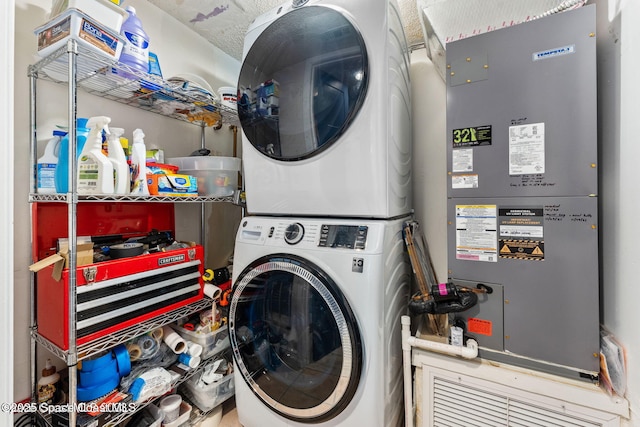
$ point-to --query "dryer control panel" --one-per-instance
(343, 236)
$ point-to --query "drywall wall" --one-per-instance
(618, 94)
(430, 157)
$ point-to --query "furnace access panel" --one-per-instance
(522, 190)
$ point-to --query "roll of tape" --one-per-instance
(123, 359)
(156, 334)
(97, 362)
(148, 345)
(96, 377)
(125, 250)
(134, 351)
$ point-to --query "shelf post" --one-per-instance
(72, 357)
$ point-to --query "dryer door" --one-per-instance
(294, 338)
(302, 83)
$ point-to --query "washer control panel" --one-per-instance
(343, 236)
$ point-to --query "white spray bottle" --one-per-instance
(139, 164)
(117, 158)
(95, 171)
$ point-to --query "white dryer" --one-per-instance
(314, 322)
(325, 108)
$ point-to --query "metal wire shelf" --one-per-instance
(91, 348)
(37, 197)
(110, 79)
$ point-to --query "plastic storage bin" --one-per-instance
(103, 11)
(212, 342)
(217, 176)
(208, 396)
(77, 25)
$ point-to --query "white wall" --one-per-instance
(6, 165)
(179, 51)
(618, 94)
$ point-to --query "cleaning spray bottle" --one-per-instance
(61, 175)
(139, 164)
(47, 164)
(119, 161)
(95, 171)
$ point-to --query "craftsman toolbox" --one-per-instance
(116, 293)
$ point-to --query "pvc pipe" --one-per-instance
(173, 340)
(406, 371)
(468, 352)
(409, 341)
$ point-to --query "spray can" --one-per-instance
(95, 171)
(139, 164)
(121, 179)
(135, 51)
(61, 175)
(46, 169)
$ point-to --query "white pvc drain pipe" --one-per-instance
(470, 351)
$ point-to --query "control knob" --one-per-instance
(294, 233)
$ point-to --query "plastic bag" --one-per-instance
(613, 364)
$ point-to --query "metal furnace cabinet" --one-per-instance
(523, 190)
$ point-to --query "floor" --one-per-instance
(229, 414)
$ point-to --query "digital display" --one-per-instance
(343, 236)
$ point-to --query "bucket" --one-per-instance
(228, 96)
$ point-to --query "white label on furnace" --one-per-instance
(526, 149)
(476, 233)
(462, 160)
(464, 181)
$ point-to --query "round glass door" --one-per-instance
(302, 83)
(294, 338)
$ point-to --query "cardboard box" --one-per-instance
(172, 185)
(60, 260)
(77, 25)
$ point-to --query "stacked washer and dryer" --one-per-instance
(321, 275)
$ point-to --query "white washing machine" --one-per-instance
(325, 109)
(314, 322)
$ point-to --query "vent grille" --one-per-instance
(459, 405)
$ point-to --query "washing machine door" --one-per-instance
(302, 83)
(294, 338)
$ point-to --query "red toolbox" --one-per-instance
(115, 294)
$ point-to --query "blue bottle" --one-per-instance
(135, 51)
(61, 175)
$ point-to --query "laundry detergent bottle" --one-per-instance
(139, 164)
(121, 179)
(61, 175)
(95, 170)
(45, 175)
(135, 51)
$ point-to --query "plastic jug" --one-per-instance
(135, 51)
(62, 169)
(95, 170)
(46, 171)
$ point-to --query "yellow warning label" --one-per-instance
(522, 249)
